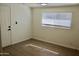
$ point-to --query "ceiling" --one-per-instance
(39, 4)
(49, 4)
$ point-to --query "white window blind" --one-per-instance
(57, 19)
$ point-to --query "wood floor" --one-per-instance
(34, 47)
(0, 48)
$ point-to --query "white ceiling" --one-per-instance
(49, 4)
(39, 4)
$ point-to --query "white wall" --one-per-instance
(64, 37)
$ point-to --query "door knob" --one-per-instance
(9, 26)
(9, 29)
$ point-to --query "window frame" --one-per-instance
(58, 26)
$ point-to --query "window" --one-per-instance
(57, 19)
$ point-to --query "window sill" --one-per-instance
(59, 27)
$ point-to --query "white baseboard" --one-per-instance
(68, 46)
(17, 42)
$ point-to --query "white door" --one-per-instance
(20, 23)
(19, 18)
(5, 23)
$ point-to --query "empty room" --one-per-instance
(39, 29)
